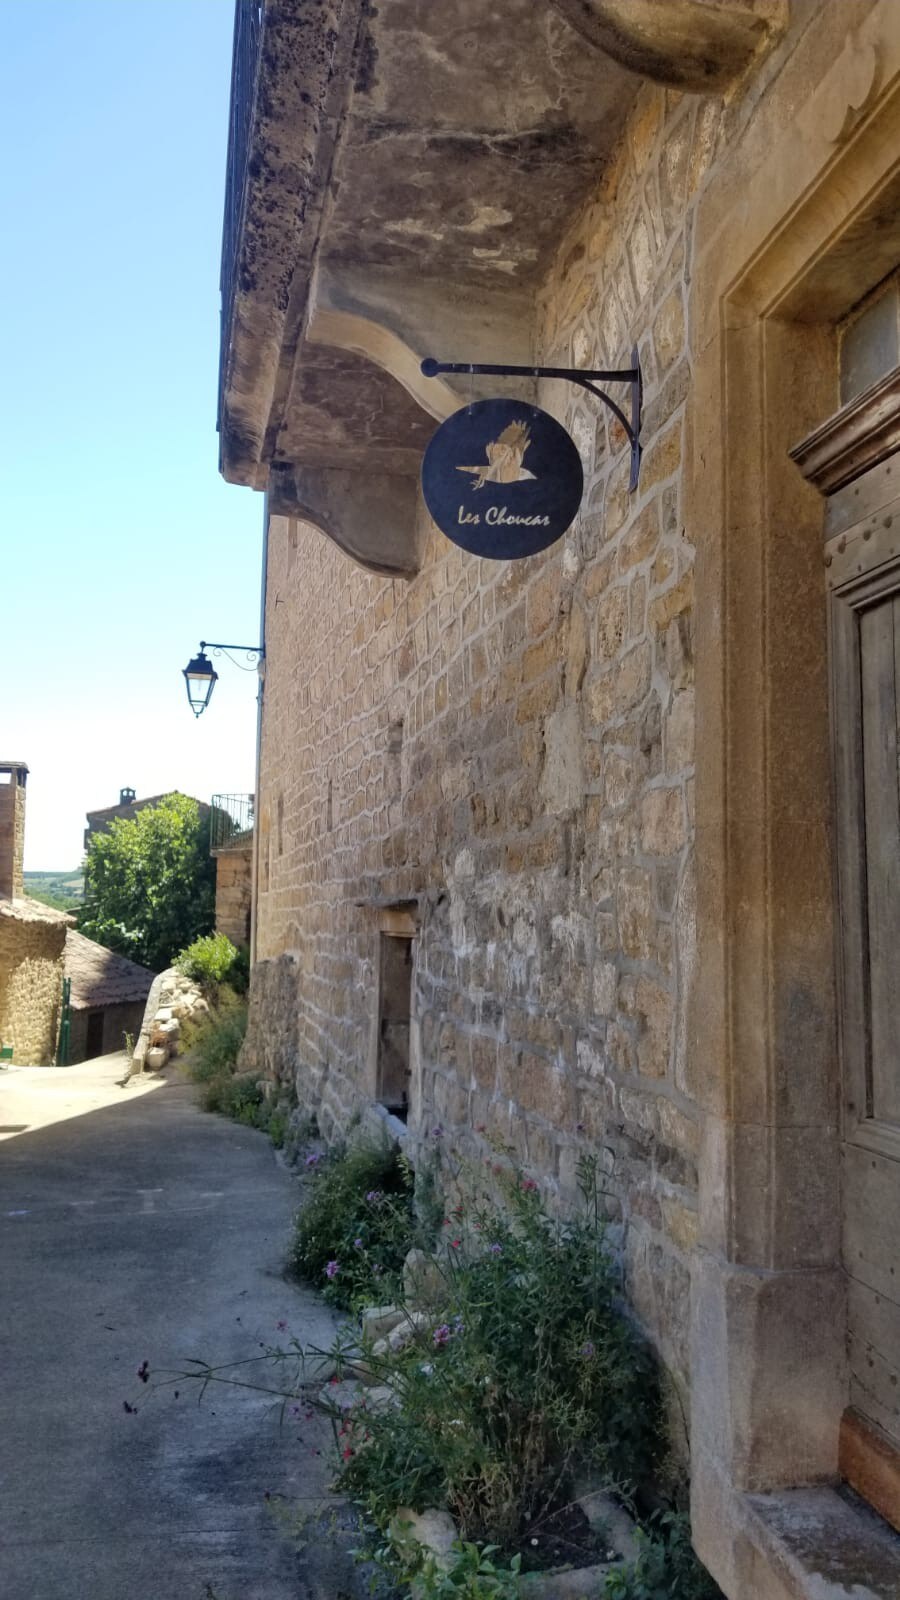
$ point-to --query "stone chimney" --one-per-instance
(126, 796)
(12, 828)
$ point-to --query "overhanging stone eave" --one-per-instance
(298, 124)
(302, 79)
(302, 107)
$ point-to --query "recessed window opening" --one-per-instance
(394, 1013)
(869, 339)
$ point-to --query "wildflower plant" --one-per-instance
(524, 1371)
(355, 1226)
(516, 1371)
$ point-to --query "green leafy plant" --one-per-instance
(214, 1042)
(213, 1045)
(236, 1095)
(522, 1370)
(150, 882)
(356, 1225)
(665, 1567)
(275, 1124)
(473, 1575)
(213, 959)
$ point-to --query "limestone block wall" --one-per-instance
(233, 884)
(31, 974)
(511, 745)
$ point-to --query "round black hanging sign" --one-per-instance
(502, 479)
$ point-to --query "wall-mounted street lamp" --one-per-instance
(201, 677)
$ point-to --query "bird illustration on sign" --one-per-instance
(505, 457)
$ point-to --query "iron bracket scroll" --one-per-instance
(584, 377)
(247, 650)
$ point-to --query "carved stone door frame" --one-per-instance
(800, 221)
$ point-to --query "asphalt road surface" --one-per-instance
(135, 1227)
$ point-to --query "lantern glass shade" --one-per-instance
(200, 677)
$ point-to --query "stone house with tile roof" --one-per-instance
(107, 997)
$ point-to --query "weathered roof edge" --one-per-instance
(151, 800)
(300, 90)
(101, 976)
(28, 910)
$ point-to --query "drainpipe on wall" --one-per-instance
(254, 865)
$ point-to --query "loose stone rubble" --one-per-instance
(173, 1000)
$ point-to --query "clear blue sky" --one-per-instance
(120, 545)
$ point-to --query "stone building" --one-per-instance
(32, 938)
(231, 843)
(599, 849)
(126, 810)
(107, 997)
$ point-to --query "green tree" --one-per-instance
(150, 883)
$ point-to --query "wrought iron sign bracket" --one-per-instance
(584, 377)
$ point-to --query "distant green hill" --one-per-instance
(62, 890)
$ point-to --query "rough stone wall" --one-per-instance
(512, 745)
(173, 1000)
(233, 879)
(31, 974)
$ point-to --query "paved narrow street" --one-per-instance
(140, 1228)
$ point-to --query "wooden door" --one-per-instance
(863, 565)
(395, 1006)
(94, 1041)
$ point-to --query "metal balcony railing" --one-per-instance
(244, 63)
(231, 821)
